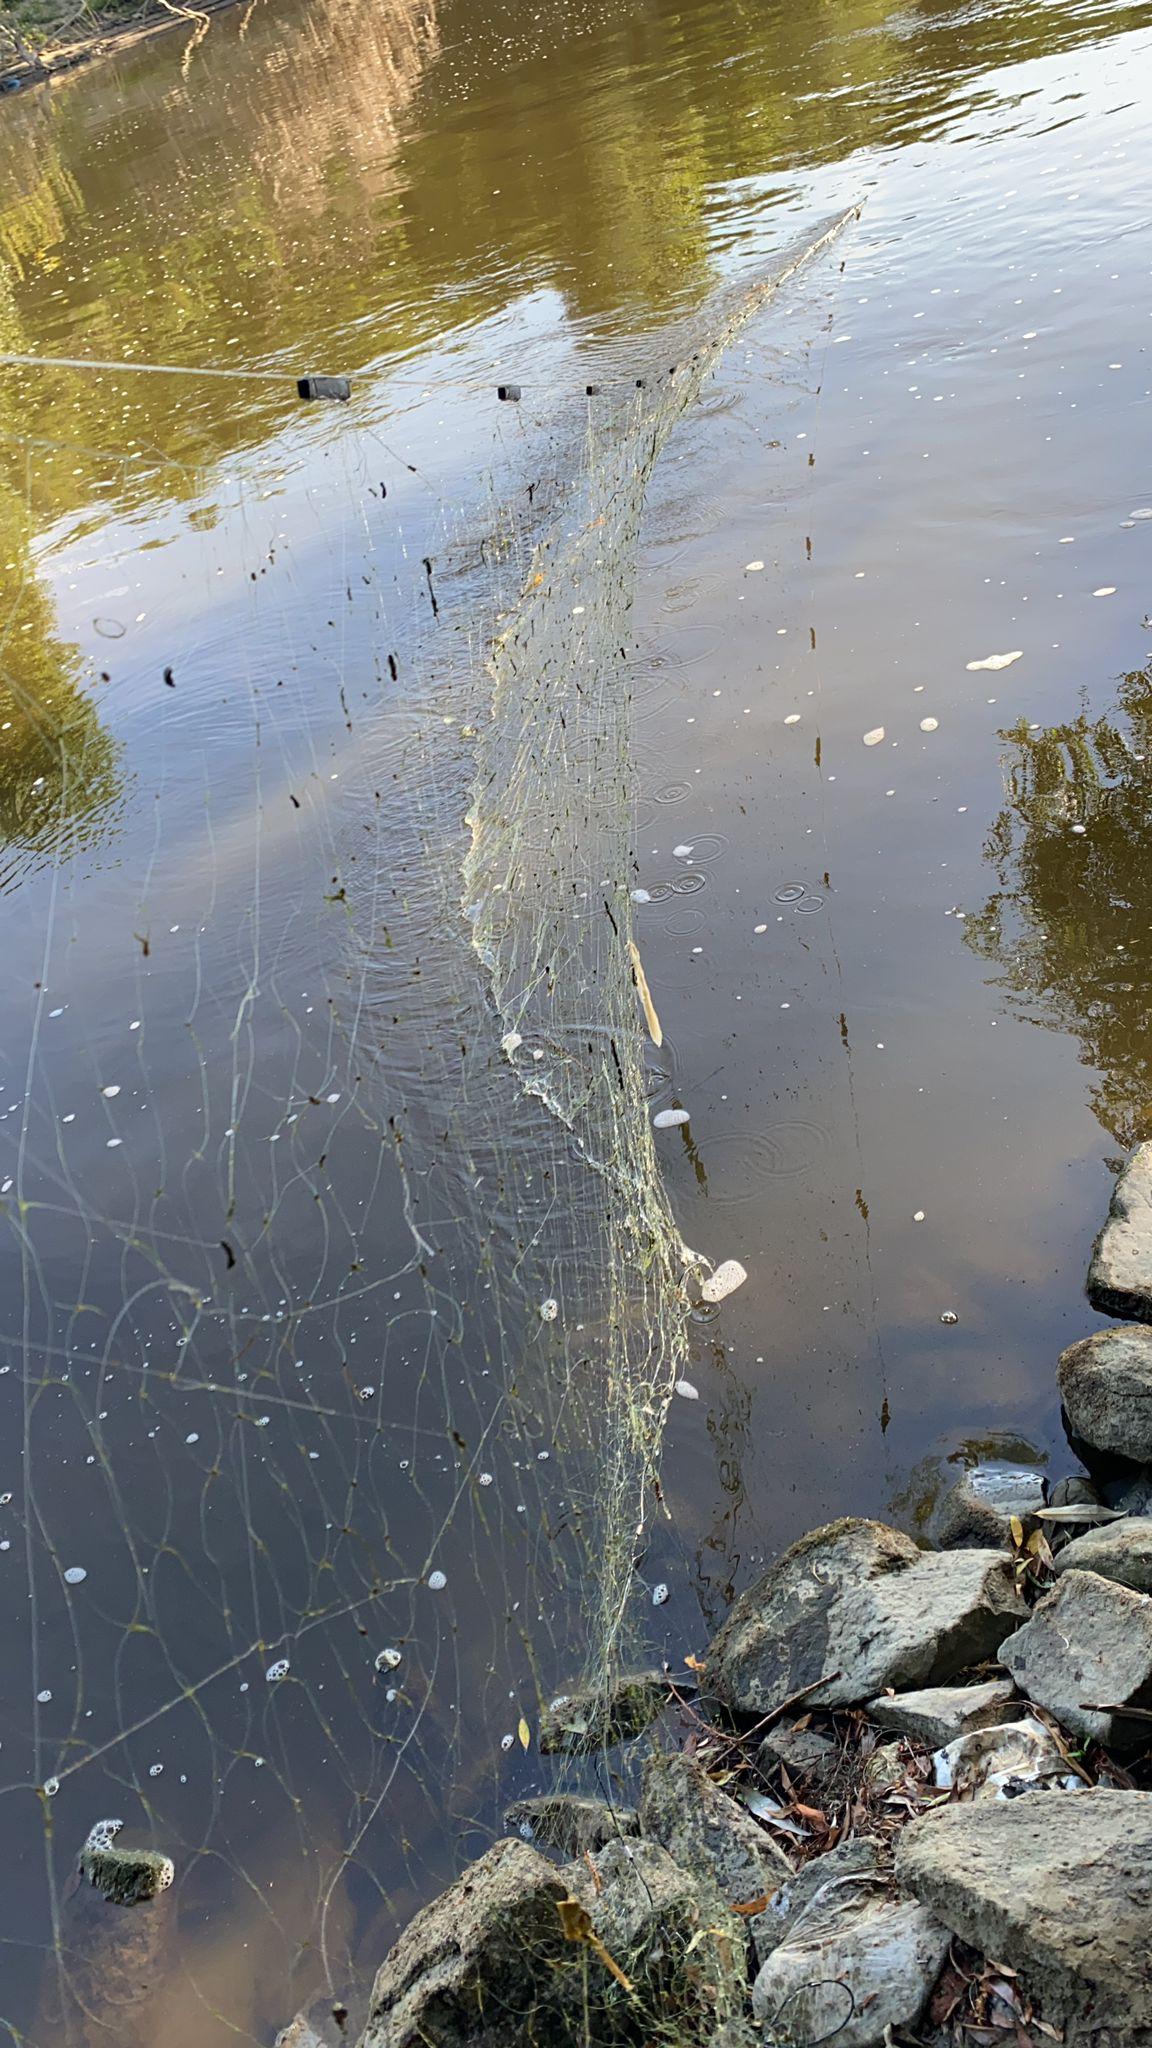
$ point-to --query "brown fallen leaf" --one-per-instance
(752, 1906)
(577, 1925)
(811, 1814)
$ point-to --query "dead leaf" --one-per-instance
(577, 1925)
(752, 1906)
(645, 994)
(1017, 1528)
(811, 1814)
(525, 1733)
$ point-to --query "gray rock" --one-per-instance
(495, 1963)
(940, 1713)
(1059, 1888)
(710, 1834)
(486, 1945)
(823, 1877)
(1088, 1643)
(682, 1948)
(804, 1752)
(597, 1717)
(1120, 1275)
(569, 1823)
(853, 1965)
(1119, 1550)
(858, 1599)
(1106, 1388)
(975, 1513)
(126, 1877)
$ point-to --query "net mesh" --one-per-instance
(343, 1302)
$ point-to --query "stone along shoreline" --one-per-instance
(904, 1798)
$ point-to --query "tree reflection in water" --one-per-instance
(1069, 927)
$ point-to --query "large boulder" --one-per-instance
(1058, 1887)
(520, 1954)
(1087, 1645)
(940, 1713)
(682, 1949)
(1120, 1275)
(1106, 1388)
(856, 1963)
(482, 1951)
(715, 1838)
(976, 1512)
(855, 1607)
(1118, 1550)
(709, 1833)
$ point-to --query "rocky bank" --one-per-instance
(905, 1797)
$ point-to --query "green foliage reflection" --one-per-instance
(59, 773)
(1069, 927)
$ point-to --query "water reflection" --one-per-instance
(1067, 927)
(337, 184)
(60, 774)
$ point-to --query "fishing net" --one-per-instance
(342, 1298)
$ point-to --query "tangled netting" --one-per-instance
(342, 1300)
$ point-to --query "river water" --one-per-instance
(311, 1369)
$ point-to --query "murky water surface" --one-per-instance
(300, 1291)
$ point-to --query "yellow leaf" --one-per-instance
(524, 1732)
(1017, 1528)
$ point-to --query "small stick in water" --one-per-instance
(645, 994)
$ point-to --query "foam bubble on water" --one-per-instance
(112, 1089)
(75, 1575)
(793, 718)
(997, 661)
(687, 1391)
(660, 1594)
(724, 1281)
(437, 1581)
(1105, 590)
(103, 1833)
(549, 1310)
(388, 1660)
(667, 1119)
(873, 738)
(929, 724)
